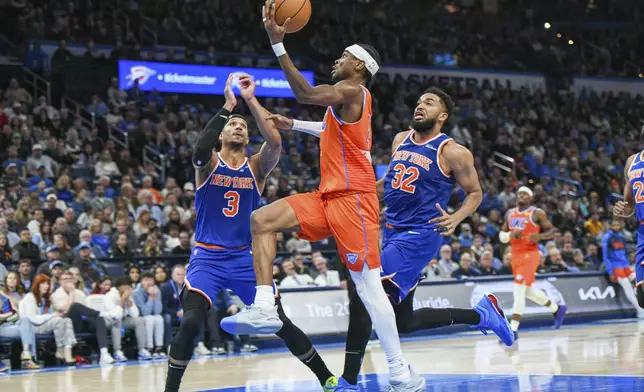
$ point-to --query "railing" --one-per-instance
(78, 110)
(603, 52)
(148, 154)
(38, 84)
(503, 162)
(148, 36)
(118, 136)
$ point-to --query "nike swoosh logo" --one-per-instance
(174, 367)
(222, 116)
(413, 232)
(404, 144)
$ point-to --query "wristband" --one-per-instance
(279, 49)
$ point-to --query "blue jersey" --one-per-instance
(614, 251)
(636, 180)
(224, 203)
(415, 182)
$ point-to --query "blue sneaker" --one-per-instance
(560, 314)
(253, 321)
(492, 317)
(344, 386)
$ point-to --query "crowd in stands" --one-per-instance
(501, 35)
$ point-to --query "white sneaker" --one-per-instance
(248, 348)
(106, 359)
(253, 321)
(144, 354)
(416, 384)
(218, 351)
(201, 349)
(119, 356)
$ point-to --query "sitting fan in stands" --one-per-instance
(13, 327)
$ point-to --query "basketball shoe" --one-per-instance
(253, 321)
(416, 384)
(492, 317)
(331, 384)
(344, 386)
(560, 314)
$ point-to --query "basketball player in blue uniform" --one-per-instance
(633, 204)
(229, 190)
(425, 166)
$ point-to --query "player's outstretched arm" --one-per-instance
(626, 208)
(270, 152)
(204, 157)
(284, 123)
(459, 161)
(322, 95)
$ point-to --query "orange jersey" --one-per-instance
(345, 152)
(522, 221)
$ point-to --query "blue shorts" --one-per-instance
(405, 253)
(213, 270)
(639, 256)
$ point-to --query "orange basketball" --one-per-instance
(298, 10)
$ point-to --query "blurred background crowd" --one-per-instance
(97, 195)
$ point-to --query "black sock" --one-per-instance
(173, 380)
(358, 336)
(465, 316)
(352, 365)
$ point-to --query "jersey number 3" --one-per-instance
(233, 204)
(404, 178)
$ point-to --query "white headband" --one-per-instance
(361, 54)
(526, 190)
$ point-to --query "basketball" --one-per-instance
(298, 10)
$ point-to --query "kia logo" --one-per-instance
(595, 293)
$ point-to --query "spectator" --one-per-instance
(486, 264)
(63, 189)
(134, 273)
(121, 310)
(594, 225)
(12, 238)
(103, 286)
(465, 270)
(13, 289)
(37, 159)
(292, 278)
(148, 299)
(592, 255)
(25, 271)
(445, 265)
(100, 200)
(51, 212)
(171, 301)
(325, 276)
(98, 107)
(580, 263)
(65, 252)
(70, 301)
(98, 238)
(151, 247)
(297, 244)
(5, 250)
(506, 269)
(72, 230)
(146, 198)
(36, 307)
(78, 280)
(184, 244)
(44, 239)
(90, 270)
(120, 249)
(106, 166)
(160, 274)
(95, 251)
(25, 249)
(12, 326)
(556, 263)
(465, 238)
(123, 228)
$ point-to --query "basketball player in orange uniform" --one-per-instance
(345, 206)
(525, 226)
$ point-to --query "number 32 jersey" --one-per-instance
(224, 203)
(415, 182)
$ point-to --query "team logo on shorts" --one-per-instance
(352, 258)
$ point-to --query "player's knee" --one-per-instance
(191, 323)
(259, 222)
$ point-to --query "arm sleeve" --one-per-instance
(311, 127)
(208, 138)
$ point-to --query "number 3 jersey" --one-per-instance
(224, 202)
(415, 182)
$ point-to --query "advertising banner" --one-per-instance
(327, 312)
(605, 85)
(201, 79)
(477, 78)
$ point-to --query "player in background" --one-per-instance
(229, 190)
(633, 204)
(425, 166)
(524, 227)
(616, 260)
(345, 206)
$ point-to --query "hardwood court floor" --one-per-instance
(604, 356)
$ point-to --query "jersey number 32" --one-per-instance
(404, 178)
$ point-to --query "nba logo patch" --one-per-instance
(352, 258)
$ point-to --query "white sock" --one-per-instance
(514, 324)
(370, 290)
(104, 351)
(628, 290)
(264, 297)
(540, 298)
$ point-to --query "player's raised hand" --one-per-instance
(246, 85)
(446, 223)
(281, 122)
(275, 32)
(231, 100)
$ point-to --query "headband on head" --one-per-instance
(526, 190)
(361, 54)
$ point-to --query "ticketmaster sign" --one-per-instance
(327, 312)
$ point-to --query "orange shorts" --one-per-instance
(352, 218)
(622, 272)
(524, 266)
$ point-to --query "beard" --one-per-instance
(423, 125)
